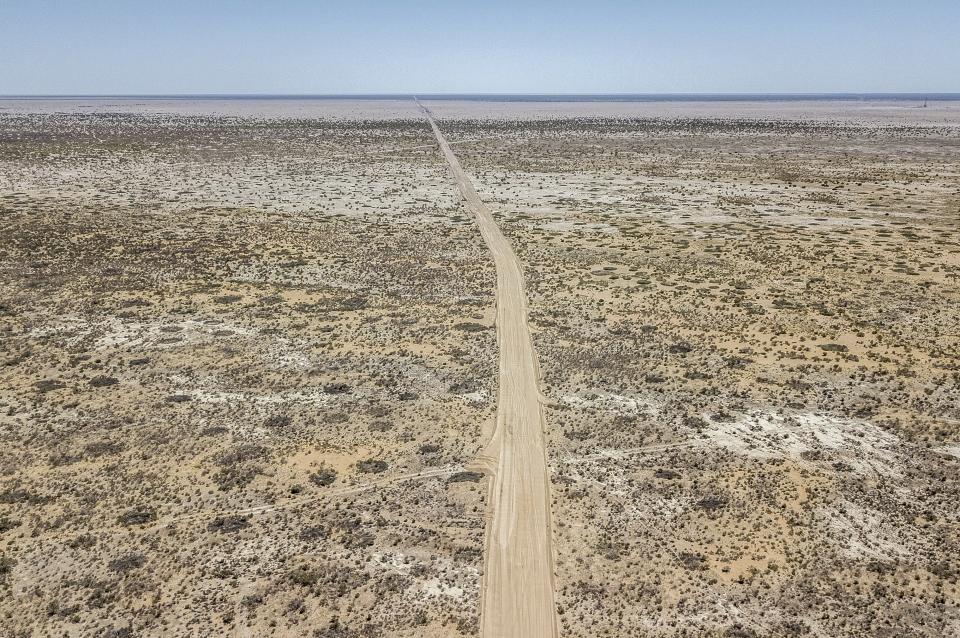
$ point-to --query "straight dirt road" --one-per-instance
(517, 590)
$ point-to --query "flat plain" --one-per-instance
(250, 358)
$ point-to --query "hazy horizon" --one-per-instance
(626, 97)
(109, 48)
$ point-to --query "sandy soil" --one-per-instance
(249, 357)
(239, 390)
(750, 364)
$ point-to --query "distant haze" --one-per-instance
(603, 46)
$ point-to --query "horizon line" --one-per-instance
(451, 94)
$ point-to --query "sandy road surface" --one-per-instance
(517, 588)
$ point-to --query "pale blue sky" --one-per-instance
(493, 46)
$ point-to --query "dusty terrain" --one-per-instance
(748, 333)
(249, 362)
(245, 364)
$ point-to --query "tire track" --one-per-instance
(517, 591)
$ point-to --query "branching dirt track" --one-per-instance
(517, 590)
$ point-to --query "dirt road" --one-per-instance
(517, 590)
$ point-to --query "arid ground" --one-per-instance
(267, 368)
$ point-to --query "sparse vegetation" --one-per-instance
(248, 361)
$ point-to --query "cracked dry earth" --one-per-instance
(249, 355)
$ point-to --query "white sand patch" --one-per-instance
(314, 397)
(71, 329)
(395, 562)
(859, 445)
(478, 397)
(138, 333)
(952, 449)
(112, 332)
(435, 587)
(590, 227)
(861, 531)
(694, 217)
(613, 402)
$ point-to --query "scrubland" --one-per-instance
(247, 361)
(750, 345)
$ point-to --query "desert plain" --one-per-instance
(268, 368)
